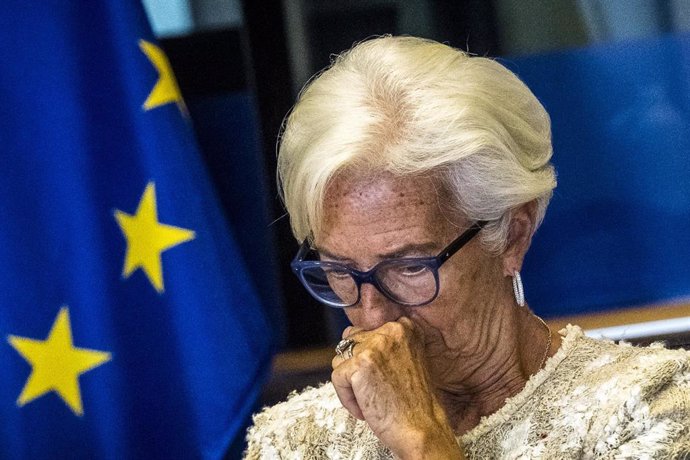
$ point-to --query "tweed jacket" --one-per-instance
(593, 399)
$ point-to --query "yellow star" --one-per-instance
(166, 90)
(56, 364)
(147, 238)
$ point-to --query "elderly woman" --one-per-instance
(415, 177)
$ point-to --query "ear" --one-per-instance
(522, 227)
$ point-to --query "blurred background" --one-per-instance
(613, 74)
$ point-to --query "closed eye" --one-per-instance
(413, 270)
(336, 273)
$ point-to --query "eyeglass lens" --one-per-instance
(404, 282)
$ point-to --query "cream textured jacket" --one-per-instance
(593, 399)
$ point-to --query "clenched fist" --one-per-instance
(387, 384)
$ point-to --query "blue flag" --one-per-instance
(130, 328)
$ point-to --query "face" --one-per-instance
(369, 220)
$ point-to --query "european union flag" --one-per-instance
(130, 329)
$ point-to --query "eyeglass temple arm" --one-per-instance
(301, 253)
(455, 246)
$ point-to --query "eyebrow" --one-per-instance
(403, 251)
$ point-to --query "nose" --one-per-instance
(374, 309)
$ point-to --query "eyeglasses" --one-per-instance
(409, 281)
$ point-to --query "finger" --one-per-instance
(350, 330)
(341, 379)
(360, 336)
(338, 359)
(411, 325)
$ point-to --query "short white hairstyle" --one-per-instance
(408, 106)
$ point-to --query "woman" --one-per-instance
(415, 177)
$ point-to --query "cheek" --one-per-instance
(469, 272)
(462, 283)
(455, 282)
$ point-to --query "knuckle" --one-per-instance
(414, 331)
(407, 324)
(395, 329)
(366, 358)
(400, 329)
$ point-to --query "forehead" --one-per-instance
(364, 194)
(379, 213)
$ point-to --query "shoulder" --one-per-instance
(592, 362)
(650, 368)
(627, 399)
(595, 398)
(309, 424)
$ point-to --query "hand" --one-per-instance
(386, 383)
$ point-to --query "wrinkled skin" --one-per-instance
(421, 375)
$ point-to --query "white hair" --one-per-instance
(409, 106)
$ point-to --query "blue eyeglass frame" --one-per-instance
(298, 266)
